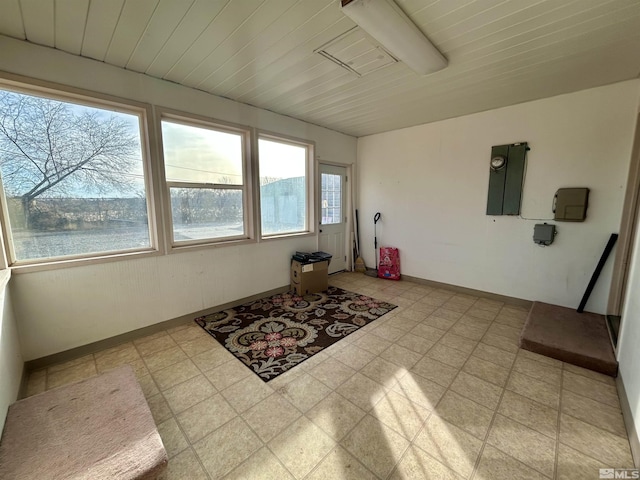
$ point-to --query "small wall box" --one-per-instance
(571, 204)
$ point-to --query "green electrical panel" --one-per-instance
(506, 178)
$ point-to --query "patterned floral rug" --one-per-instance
(274, 334)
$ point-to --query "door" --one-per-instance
(333, 215)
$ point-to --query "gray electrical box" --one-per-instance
(544, 233)
(571, 204)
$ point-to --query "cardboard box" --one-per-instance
(309, 277)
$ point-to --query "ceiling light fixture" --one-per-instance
(389, 25)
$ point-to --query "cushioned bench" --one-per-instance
(99, 428)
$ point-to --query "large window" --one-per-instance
(73, 176)
(284, 186)
(205, 169)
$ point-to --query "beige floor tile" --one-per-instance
(573, 464)
(185, 465)
(212, 358)
(36, 383)
(176, 373)
(418, 465)
(422, 307)
(272, 415)
(415, 343)
(590, 388)
(388, 332)
(435, 371)
(468, 331)
(335, 415)
(332, 372)
(524, 444)
(496, 465)
(71, 374)
(155, 345)
(590, 374)
(159, 408)
(534, 415)
(593, 412)
(505, 331)
(372, 344)
(340, 465)
(164, 358)
(438, 322)
(403, 323)
(446, 313)
(465, 413)
(227, 447)
(537, 390)
(486, 370)
(400, 414)
(427, 332)
(383, 372)
(456, 306)
(552, 362)
(301, 446)
(449, 444)
(121, 355)
(448, 356)
(434, 301)
(481, 313)
(285, 378)
(148, 338)
(198, 345)
(500, 342)
(149, 387)
(354, 357)
(401, 356)
(459, 343)
(245, 394)
(362, 391)
(205, 417)
(262, 465)
(187, 394)
(420, 390)
(172, 437)
(538, 370)
(115, 348)
(227, 374)
(610, 449)
(71, 363)
(474, 388)
(377, 446)
(304, 392)
(510, 321)
(494, 355)
(185, 333)
(489, 305)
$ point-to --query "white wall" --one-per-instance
(628, 352)
(66, 308)
(430, 184)
(11, 363)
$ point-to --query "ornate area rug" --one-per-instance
(274, 334)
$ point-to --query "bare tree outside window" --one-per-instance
(69, 169)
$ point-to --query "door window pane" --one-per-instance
(331, 191)
(283, 187)
(73, 177)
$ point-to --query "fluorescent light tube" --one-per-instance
(389, 25)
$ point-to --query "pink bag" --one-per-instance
(389, 266)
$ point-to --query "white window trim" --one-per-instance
(310, 175)
(28, 86)
(246, 132)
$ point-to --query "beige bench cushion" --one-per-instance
(99, 428)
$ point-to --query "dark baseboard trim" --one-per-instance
(94, 347)
(470, 291)
(632, 433)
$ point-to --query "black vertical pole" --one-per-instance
(597, 271)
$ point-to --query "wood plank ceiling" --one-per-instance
(261, 52)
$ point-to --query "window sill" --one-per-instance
(287, 235)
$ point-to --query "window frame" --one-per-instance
(63, 93)
(198, 121)
(311, 166)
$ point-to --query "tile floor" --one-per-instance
(436, 389)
